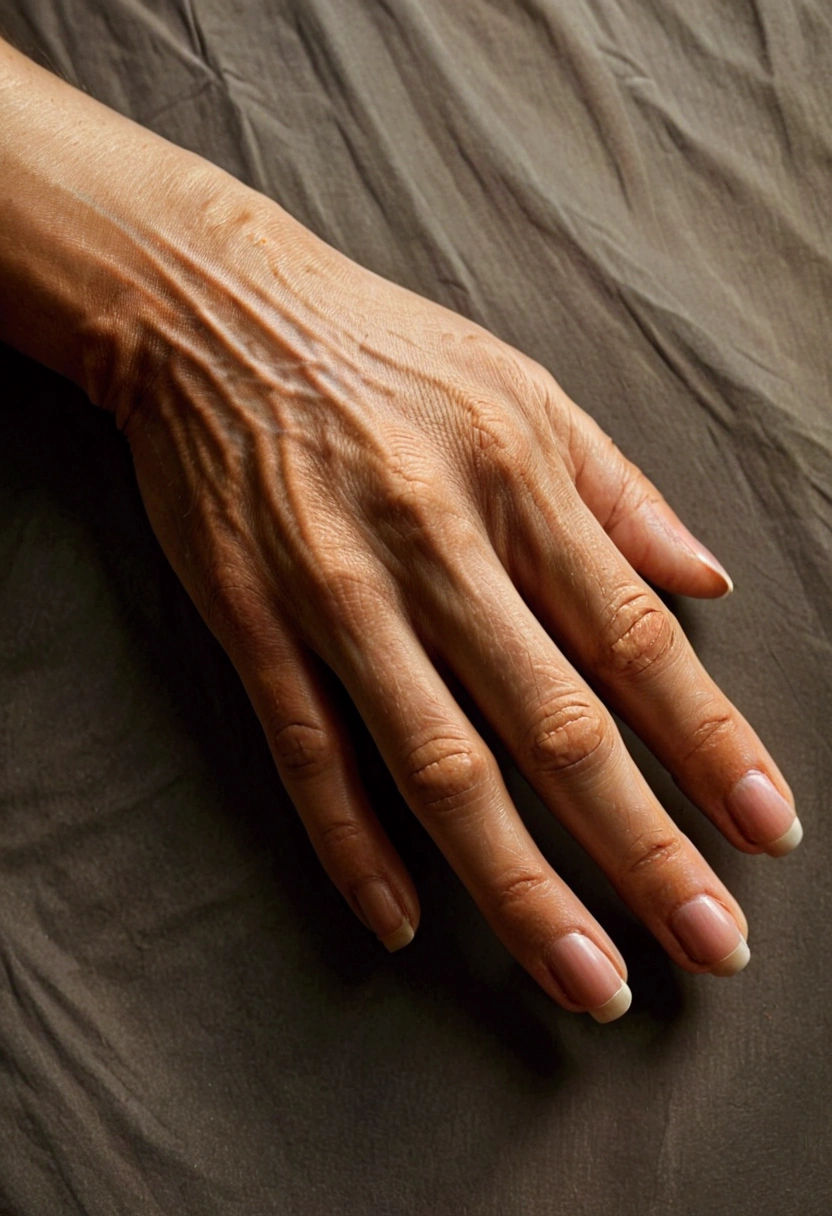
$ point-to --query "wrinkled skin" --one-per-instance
(347, 476)
(351, 479)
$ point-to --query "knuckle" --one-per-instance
(231, 603)
(652, 851)
(499, 436)
(490, 362)
(638, 636)
(413, 488)
(566, 736)
(633, 492)
(416, 514)
(302, 750)
(711, 734)
(349, 594)
(446, 774)
(520, 885)
(334, 834)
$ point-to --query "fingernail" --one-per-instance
(384, 914)
(710, 935)
(588, 977)
(683, 534)
(763, 815)
(706, 557)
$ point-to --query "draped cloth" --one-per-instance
(191, 1019)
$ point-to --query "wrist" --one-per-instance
(105, 232)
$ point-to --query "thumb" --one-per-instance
(639, 520)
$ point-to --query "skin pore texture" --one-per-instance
(351, 479)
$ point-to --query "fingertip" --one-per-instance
(615, 1007)
(711, 587)
(675, 560)
(788, 842)
(383, 912)
(401, 937)
(725, 584)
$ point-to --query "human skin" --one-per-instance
(351, 479)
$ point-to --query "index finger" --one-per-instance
(632, 649)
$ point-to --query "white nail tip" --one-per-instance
(615, 1007)
(733, 962)
(787, 842)
(402, 936)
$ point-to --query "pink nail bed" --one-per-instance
(763, 815)
(710, 935)
(588, 976)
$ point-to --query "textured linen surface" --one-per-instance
(192, 1022)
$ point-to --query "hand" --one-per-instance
(347, 476)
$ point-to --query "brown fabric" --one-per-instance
(191, 1021)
